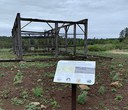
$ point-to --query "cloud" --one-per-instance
(106, 17)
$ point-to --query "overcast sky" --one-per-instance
(106, 17)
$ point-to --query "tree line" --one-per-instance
(6, 42)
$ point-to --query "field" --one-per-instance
(29, 85)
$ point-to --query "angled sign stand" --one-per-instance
(75, 72)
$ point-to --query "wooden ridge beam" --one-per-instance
(53, 21)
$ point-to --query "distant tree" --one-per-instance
(124, 33)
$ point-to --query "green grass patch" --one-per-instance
(7, 54)
(101, 47)
(36, 64)
(108, 54)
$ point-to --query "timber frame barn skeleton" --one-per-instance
(53, 34)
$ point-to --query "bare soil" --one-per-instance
(119, 52)
(61, 93)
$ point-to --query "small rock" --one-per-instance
(84, 87)
(14, 66)
(43, 107)
(115, 84)
(97, 82)
(22, 62)
(5, 97)
(39, 80)
(35, 103)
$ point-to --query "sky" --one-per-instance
(106, 17)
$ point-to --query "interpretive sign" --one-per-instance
(75, 72)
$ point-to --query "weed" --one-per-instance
(120, 65)
(113, 90)
(5, 93)
(49, 74)
(17, 101)
(112, 67)
(112, 73)
(82, 98)
(54, 104)
(2, 75)
(22, 64)
(18, 78)
(38, 91)
(102, 90)
(31, 106)
(24, 94)
(116, 77)
(119, 97)
(101, 104)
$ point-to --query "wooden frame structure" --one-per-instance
(53, 34)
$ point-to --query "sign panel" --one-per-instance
(75, 72)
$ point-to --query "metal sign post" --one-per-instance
(73, 106)
(75, 72)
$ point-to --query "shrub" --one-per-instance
(101, 47)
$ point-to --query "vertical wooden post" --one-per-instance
(29, 43)
(52, 40)
(20, 51)
(16, 40)
(74, 51)
(15, 43)
(56, 39)
(66, 41)
(85, 37)
(13, 40)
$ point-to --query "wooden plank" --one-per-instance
(66, 41)
(56, 40)
(53, 21)
(20, 51)
(74, 51)
(85, 38)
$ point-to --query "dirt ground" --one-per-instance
(119, 52)
(57, 96)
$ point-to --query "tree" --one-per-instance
(124, 33)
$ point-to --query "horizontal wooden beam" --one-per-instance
(53, 21)
(27, 37)
(31, 32)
